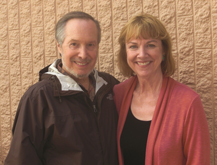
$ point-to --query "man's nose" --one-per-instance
(82, 52)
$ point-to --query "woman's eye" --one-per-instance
(150, 45)
(133, 47)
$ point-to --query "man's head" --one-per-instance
(78, 36)
(60, 26)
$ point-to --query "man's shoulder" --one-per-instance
(108, 78)
(35, 89)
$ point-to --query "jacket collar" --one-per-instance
(67, 83)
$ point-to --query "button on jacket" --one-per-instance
(57, 123)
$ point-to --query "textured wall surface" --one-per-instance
(28, 44)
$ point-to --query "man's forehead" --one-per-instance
(80, 21)
(81, 30)
(80, 25)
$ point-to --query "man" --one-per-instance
(68, 117)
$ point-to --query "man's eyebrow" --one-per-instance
(73, 40)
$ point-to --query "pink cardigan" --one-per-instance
(179, 133)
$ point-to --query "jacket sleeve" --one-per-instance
(27, 143)
(196, 135)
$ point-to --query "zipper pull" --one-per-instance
(94, 109)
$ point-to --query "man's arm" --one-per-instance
(27, 143)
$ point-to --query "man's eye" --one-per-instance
(91, 46)
(73, 44)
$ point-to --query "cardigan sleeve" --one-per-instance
(196, 138)
(117, 98)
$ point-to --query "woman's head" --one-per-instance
(145, 26)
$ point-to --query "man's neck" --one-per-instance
(85, 82)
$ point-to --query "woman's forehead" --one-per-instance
(139, 36)
(141, 33)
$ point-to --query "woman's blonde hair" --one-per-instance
(145, 26)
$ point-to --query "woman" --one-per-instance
(154, 109)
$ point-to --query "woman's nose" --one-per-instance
(142, 52)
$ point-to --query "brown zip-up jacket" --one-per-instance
(57, 123)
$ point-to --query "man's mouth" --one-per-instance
(81, 63)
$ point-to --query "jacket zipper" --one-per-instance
(94, 108)
(104, 92)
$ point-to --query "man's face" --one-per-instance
(80, 48)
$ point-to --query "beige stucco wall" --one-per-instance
(27, 44)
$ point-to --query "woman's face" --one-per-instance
(144, 56)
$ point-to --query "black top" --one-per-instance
(133, 140)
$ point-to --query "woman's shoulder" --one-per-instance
(182, 89)
(126, 83)
(120, 90)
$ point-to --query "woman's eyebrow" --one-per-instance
(152, 41)
(132, 42)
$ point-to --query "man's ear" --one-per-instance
(59, 47)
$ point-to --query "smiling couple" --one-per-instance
(69, 117)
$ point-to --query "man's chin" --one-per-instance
(79, 75)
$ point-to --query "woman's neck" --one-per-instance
(149, 86)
